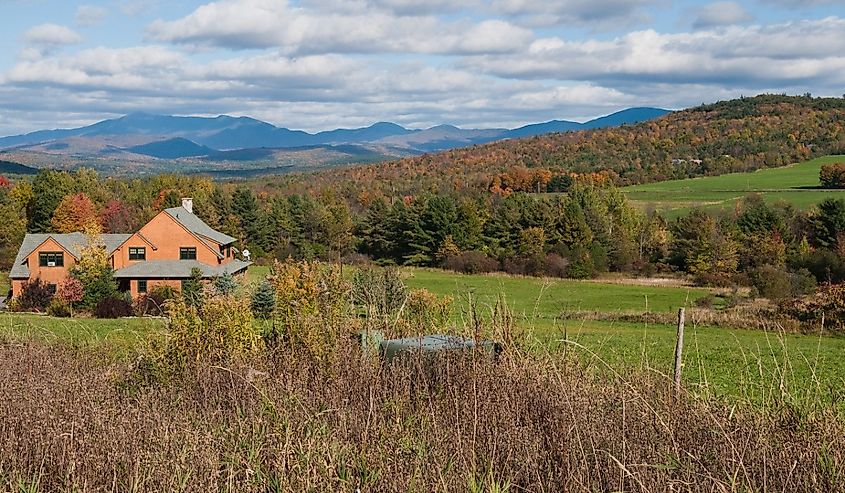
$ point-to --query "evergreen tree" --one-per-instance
(48, 189)
(192, 288)
(263, 300)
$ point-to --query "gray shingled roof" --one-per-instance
(69, 241)
(177, 269)
(197, 226)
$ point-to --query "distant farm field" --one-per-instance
(797, 184)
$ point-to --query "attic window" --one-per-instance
(51, 259)
(187, 253)
(137, 253)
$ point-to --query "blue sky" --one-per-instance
(320, 64)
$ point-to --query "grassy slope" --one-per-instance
(793, 184)
(5, 285)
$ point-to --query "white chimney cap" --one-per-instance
(188, 204)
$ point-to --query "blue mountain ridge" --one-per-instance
(189, 136)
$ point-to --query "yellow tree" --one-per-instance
(76, 213)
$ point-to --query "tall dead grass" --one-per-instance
(279, 421)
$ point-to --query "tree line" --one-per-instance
(588, 230)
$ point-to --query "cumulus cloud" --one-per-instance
(243, 24)
(52, 35)
(800, 52)
(720, 14)
(89, 15)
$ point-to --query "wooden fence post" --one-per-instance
(679, 350)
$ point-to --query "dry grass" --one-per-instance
(279, 422)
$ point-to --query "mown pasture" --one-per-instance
(797, 184)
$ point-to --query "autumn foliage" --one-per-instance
(76, 213)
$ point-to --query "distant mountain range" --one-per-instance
(174, 137)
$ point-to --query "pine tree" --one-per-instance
(264, 300)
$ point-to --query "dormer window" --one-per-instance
(51, 259)
(137, 253)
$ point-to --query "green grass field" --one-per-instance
(119, 334)
(794, 184)
(748, 365)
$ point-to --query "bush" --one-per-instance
(263, 300)
(224, 285)
(59, 308)
(35, 296)
(776, 283)
(825, 307)
(154, 303)
(357, 259)
(113, 307)
(556, 266)
(832, 175)
(470, 263)
(706, 302)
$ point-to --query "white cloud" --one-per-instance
(52, 35)
(808, 52)
(720, 14)
(242, 24)
(597, 14)
(90, 15)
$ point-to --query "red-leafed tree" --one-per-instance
(116, 218)
(4, 182)
(76, 213)
(70, 291)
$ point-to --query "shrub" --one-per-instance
(706, 302)
(192, 289)
(224, 285)
(59, 308)
(427, 313)
(312, 307)
(154, 303)
(35, 296)
(113, 307)
(556, 266)
(380, 294)
(776, 283)
(470, 263)
(70, 291)
(832, 175)
(357, 259)
(263, 300)
(826, 307)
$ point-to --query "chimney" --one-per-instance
(188, 204)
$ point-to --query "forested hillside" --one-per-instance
(738, 135)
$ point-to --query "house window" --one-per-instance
(187, 253)
(51, 259)
(137, 253)
(142, 285)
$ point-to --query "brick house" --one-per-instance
(162, 252)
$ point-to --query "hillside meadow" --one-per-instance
(797, 184)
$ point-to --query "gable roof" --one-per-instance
(69, 241)
(177, 269)
(196, 225)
